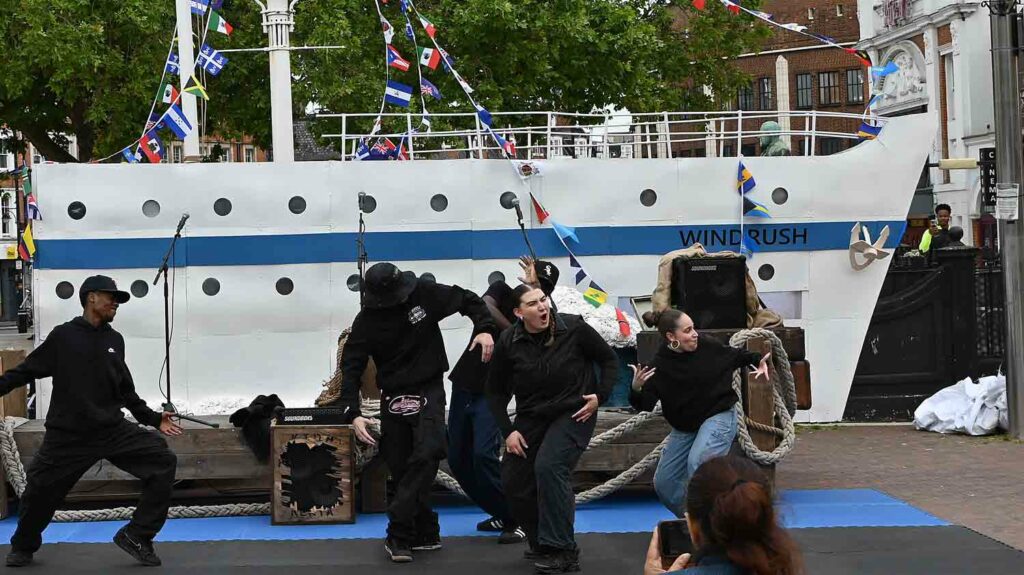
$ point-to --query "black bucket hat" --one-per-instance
(101, 283)
(387, 286)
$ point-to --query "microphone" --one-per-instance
(362, 197)
(181, 223)
(508, 201)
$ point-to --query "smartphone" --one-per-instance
(675, 539)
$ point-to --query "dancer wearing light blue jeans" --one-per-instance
(691, 375)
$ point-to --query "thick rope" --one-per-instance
(784, 401)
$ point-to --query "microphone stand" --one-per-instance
(522, 228)
(168, 407)
(361, 257)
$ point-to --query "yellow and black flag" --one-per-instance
(194, 87)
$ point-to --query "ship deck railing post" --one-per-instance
(344, 136)
(408, 130)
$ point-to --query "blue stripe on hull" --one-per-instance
(445, 245)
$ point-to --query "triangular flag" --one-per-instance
(565, 231)
(542, 214)
(194, 87)
(218, 24)
(579, 276)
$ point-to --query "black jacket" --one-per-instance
(693, 386)
(91, 382)
(405, 341)
(548, 382)
(470, 372)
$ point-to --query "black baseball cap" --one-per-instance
(101, 283)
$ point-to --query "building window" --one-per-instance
(250, 154)
(831, 146)
(947, 62)
(764, 94)
(804, 91)
(810, 13)
(226, 148)
(7, 216)
(828, 88)
(176, 153)
(855, 86)
(746, 98)
(839, 10)
(3, 160)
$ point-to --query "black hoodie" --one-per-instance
(693, 386)
(91, 382)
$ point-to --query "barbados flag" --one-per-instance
(868, 132)
(744, 179)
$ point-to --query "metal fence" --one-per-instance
(991, 298)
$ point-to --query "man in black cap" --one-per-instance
(91, 384)
(474, 440)
(398, 328)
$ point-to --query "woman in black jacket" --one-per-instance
(691, 375)
(546, 362)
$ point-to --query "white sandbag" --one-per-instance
(966, 407)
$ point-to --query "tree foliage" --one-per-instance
(91, 67)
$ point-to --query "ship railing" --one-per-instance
(550, 135)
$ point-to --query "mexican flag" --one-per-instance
(218, 24)
(168, 92)
(429, 57)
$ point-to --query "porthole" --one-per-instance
(648, 197)
(151, 208)
(495, 277)
(439, 203)
(211, 286)
(284, 286)
(139, 288)
(222, 207)
(65, 290)
(766, 272)
(780, 196)
(297, 205)
(353, 282)
(76, 210)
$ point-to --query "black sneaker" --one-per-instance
(509, 536)
(141, 550)
(398, 550)
(492, 525)
(534, 554)
(18, 558)
(561, 561)
(427, 543)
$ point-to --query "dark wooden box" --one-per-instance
(314, 469)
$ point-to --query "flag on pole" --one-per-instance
(171, 66)
(152, 147)
(32, 208)
(428, 27)
(429, 57)
(395, 60)
(868, 132)
(177, 121)
(27, 245)
(542, 214)
(219, 24)
(194, 87)
(389, 32)
(752, 208)
(426, 87)
(199, 7)
(744, 179)
(211, 60)
(398, 94)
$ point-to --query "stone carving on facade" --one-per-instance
(928, 48)
(954, 32)
(909, 85)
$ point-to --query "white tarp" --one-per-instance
(974, 408)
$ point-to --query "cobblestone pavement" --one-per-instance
(977, 482)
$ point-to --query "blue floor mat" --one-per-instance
(628, 514)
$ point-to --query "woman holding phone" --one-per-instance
(691, 375)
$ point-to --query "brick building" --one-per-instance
(943, 50)
(795, 74)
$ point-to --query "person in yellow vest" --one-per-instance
(937, 234)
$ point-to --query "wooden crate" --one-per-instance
(325, 493)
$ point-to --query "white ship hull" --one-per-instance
(249, 339)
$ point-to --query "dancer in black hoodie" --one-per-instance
(546, 362)
(692, 377)
(91, 384)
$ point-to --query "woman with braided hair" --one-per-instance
(732, 525)
(691, 375)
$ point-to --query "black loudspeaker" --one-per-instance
(712, 291)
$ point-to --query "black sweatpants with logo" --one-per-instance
(413, 446)
(63, 459)
(539, 487)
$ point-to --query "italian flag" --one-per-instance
(428, 27)
(429, 57)
(218, 24)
